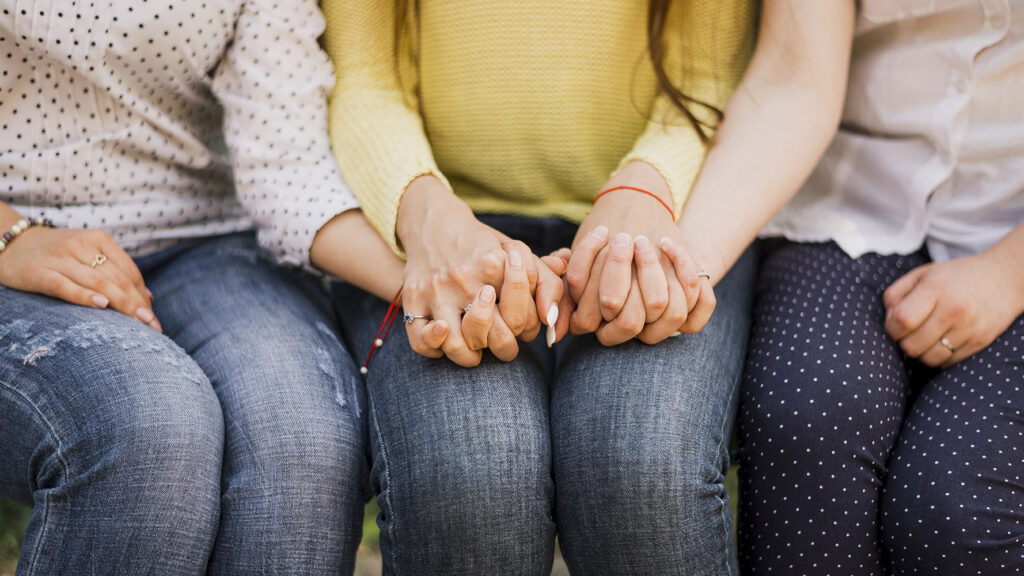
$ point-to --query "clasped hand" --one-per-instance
(620, 289)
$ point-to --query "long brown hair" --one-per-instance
(408, 12)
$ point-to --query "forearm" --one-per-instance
(349, 248)
(777, 126)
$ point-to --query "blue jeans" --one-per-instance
(622, 451)
(860, 461)
(234, 444)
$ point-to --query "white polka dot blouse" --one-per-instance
(163, 121)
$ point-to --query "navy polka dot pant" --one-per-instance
(856, 460)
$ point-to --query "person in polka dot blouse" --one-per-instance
(880, 418)
(171, 401)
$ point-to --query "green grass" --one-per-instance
(14, 518)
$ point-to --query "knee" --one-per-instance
(494, 482)
(299, 452)
(146, 406)
(629, 478)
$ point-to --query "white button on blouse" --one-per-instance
(931, 148)
(161, 121)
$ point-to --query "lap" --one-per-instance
(268, 340)
(672, 402)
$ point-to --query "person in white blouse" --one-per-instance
(171, 401)
(880, 417)
(880, 413)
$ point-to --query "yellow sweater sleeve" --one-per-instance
(376, 131)
(706, 61)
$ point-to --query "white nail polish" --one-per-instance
(552, 318)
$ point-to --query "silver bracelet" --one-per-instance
(21, 226)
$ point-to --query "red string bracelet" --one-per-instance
(642, 191)
(384, 330)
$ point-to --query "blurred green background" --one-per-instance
(14, 518)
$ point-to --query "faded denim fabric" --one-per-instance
(621, 451)
(235, 444)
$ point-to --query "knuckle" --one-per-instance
(99, 284)
(658, 303)
(491, 265)
(502, 341)
(675, 316)
(911, 348)
(611, 301)
(589, 244)
(620, 256)
(692, 284)
(52, 284)
(902, 319)
(712, 302)
(606, 340)
(583, 323)
(631, 322)
(575, 277)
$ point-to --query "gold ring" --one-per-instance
(949, 346)
(99, 260)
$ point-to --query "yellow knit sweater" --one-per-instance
(523, 106)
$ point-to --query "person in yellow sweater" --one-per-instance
(479, 135)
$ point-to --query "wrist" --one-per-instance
(706, 255)
(642, 175)
(426, 198)
(1011, 267)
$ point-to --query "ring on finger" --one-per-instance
(410, 318)
(98, 260)
(948, 345)
(465, 309)
(704, 274)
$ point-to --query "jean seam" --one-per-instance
(387, 499)
(725, 440)
(60, 458)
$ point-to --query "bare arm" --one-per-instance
(351, 249)
(778, 124)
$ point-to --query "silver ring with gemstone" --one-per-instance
(410, 318)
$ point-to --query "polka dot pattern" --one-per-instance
(160, 121)
(846, 463)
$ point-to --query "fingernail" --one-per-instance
(642, 243)
(100, 301)
(622, 239)
(515, 260)
(145, 315)
(667, 242)
(551, 335)
(487, 294)
(552, 315)
(156, 326)
(600, 232)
